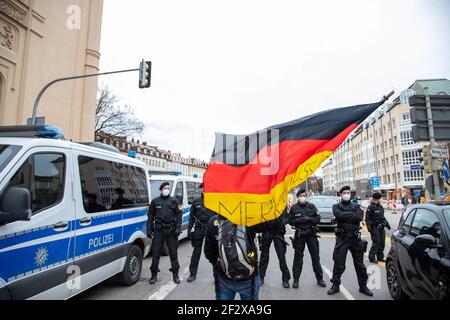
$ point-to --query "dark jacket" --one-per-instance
(348, 216)
(375, 214)
(304, 216)
(405, 201)
(212, 246)
(200, 215)
(164, 210)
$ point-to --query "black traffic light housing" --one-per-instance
(145, 74)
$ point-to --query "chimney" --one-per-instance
(138, 142)
(144, 143)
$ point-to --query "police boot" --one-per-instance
(366, 291)
(333, 290)
(176, 278)
(296, 284)
(153, 279)
(191, 278)
(286, 284)
(321, 283)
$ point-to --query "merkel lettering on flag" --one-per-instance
(250, 176)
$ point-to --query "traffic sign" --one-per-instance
(375, 181)
(439, 153)
(440, 114)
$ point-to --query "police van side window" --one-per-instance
(192, 191)
(179, 192)
(43, 174)
(108, 185)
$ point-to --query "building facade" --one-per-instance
(328, 173)
(381, 155)
(41, 40)
(155, 158)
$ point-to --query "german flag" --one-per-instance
(250, 176)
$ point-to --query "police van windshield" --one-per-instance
(7, 152)
(154, 187)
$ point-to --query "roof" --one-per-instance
(435, 86)
(28, 143)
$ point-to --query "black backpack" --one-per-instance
(237, 258)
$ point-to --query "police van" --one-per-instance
(183, 188)
(71, 215)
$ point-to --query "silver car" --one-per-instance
(325, 206)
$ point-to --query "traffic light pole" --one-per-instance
(48, 85)
(436, 187)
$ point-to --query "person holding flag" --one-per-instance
(250, 176)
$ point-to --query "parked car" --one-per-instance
(418, 264)
(325, 206)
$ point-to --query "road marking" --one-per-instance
(166, 289)
(344, 291)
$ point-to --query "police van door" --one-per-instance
(98, 231)
(180, 195)
(35, 256)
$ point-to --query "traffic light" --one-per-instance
(145, 74)
(426, 159)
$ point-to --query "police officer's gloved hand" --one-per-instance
(177, 233)
(150, 235)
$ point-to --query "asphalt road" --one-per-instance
(203, 287)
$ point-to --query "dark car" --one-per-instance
(325, 206)
(418, 264)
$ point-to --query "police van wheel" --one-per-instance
(133, 267)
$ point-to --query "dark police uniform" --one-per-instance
(305, 217)
(164, 224)
(348, 237)
(376, 224)
(199, 218)
(277, 237)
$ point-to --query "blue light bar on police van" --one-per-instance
(51, 132)
(132, 154)
(44, 131)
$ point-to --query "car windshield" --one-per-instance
(7, 152)
(447, 216)
(154, 187)
(323, 202)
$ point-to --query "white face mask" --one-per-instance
(346, 197)
(302, 199)
(165, 192)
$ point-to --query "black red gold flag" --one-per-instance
(250, 176)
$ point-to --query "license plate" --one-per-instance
(326, 220)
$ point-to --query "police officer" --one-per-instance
(164, 226)
(199, 219)
(348, 237)
(304, 217)
(376, 224)
(277, 237)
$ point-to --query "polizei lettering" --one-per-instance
(101, 241)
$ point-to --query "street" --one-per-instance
(203, 287)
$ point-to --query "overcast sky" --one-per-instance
(241, 66)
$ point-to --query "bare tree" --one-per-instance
(113, 118)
